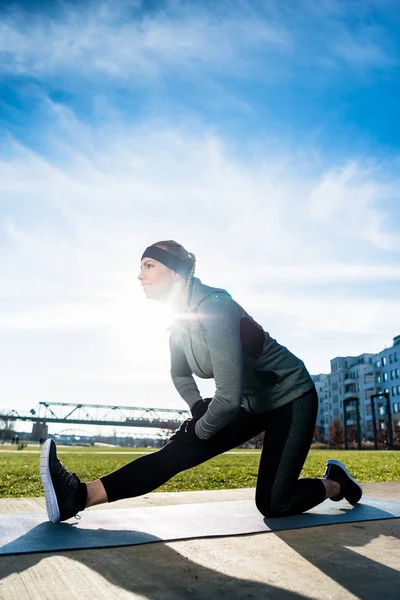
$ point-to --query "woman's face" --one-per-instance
(156, 279)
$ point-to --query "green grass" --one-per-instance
(20, 475)
(34, 447)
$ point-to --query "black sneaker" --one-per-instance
(349, 488)
(60, 486)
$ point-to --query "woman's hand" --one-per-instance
(186, 432)
(200, 408)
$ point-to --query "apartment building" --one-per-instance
(359, 377)
(387, 375)
(322, 390)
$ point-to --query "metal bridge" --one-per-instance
(99, 414)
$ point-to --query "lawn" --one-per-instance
(20, 475)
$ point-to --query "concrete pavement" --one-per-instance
(358, 560)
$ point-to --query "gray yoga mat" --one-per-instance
(26, 533)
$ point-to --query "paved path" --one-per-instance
(332, 562)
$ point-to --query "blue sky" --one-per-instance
(263, 136)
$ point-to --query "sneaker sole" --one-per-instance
(338, 463)
(53, 511)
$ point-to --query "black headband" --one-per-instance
(181, 266)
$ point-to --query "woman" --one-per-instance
(260, 387)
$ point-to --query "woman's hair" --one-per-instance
(181, 253)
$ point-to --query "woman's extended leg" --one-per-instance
(288, 435)
(66, 495)
(149, 472)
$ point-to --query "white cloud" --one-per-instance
(363, 53)
(346, 33)
(110, 42)
(292, 245)
(305, 246)
(350, 198)
(239, 39)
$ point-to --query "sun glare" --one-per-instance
(140, 334)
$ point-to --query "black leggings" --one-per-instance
(288, 435)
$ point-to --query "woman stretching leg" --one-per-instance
(260, 387)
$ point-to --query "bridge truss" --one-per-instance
(99, 414)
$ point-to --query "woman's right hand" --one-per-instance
(200, 408)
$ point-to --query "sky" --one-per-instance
(262, 135)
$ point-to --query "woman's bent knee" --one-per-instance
(270, 509)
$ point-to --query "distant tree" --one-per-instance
(351, 434)
(396, 430)
(318, 435)
(6, 430)
(336, 433)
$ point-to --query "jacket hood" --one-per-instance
(200, 291)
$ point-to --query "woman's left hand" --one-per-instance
(186, 432)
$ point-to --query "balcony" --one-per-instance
(369, 383)
(351, 395)
(349, 380)
(350, 391)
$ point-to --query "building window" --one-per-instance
(384, 361)
(385, 376)
(394, 391)
(390, 358)
(378, 379)
(395, 357)
(397, 373)
(378, 364)
(392, 375)
(351, 388)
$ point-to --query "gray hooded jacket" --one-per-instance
(218, 339)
